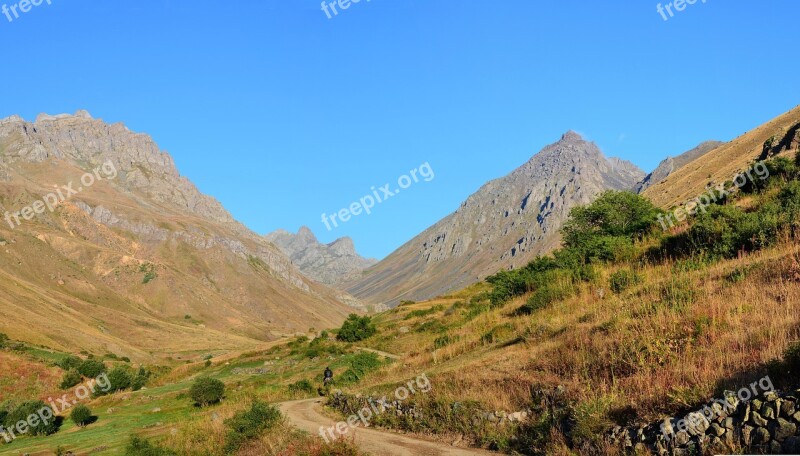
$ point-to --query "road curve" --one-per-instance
(306, 416)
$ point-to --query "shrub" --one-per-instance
(91, 368)
(140, 379)
(3, 341)
(678, 294)
(206, 391)
(302, 386)
(69, 362)
(141, 447)
(624, 279)
(443, 341)
(361, 365)
(791, 358)
(26, 409)
(248, 424)
(81, 415)
(544, 297)
(71, 378)
(119, 379)
(356, 329)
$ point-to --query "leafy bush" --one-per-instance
(81, 415)
(140, 379)
(141, 447)
(26, 409)
(624, 279)
(248, 424)
(91, 368)
(3, 341)
(678, 294)
(360, 365)
(543, 298)
(69, 362)
(71, 378)
(443, 341)
(119, 379)
(206, 391)
(356, 329)
(302, 386)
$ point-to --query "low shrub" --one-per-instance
(623, 280)
(207, 391)
(71, 378)
(140, 447)
(249, 424)
(356, 329)
(69, 362)
(26, 409)
(91, 368)
(302, 387)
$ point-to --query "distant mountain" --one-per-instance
(505, 224)
(139, 263)
(672, 164)
(331, 264)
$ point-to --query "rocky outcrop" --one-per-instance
(504, 225)
(331, 264)
(672, 164)
(766, 424)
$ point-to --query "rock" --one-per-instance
(782, 429)
(775, 447)
(747, 435)
(757, 420)
(761, 436)
(791, 445)
(717, 430)
(157, 410)
(681, 438)
(788, 408)
(769, 411)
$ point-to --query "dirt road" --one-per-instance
(306, 415)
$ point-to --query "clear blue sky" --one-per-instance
(283, 114)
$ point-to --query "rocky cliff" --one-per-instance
(504, 225)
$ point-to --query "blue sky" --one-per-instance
(283, 114)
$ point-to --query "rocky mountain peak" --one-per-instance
(331, 264)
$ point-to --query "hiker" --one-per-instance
(328, 376)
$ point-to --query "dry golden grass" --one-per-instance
(613, 352)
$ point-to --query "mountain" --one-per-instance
(133, 259)
(778, 136)
(505, 224)
(331, 264)
(672, 164)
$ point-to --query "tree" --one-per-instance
(356, 329)
(81, 415)
(609, 225)
(69, 362)
(33, 408)
(206, 391)
(119, 379)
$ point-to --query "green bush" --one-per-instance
(140, 379)
(26, 409)
(360, 365)
(443, 341)
(249, 424)
(624, 279)
(81, 415)
(141, 447)
(69, 362)
(791, 358)
(302, 386)
(3, 341)
(356, 329)
(91, 368)
(206, 391)
(71, 378)
(119, 379)
(543, 298)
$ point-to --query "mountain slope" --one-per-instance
(723, 163)
(505, 224)
(331, 264)
(136, 264)
(672, 164)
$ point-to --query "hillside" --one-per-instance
(672, 164)
(140, 262)
(505, 224)
(724, 162)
